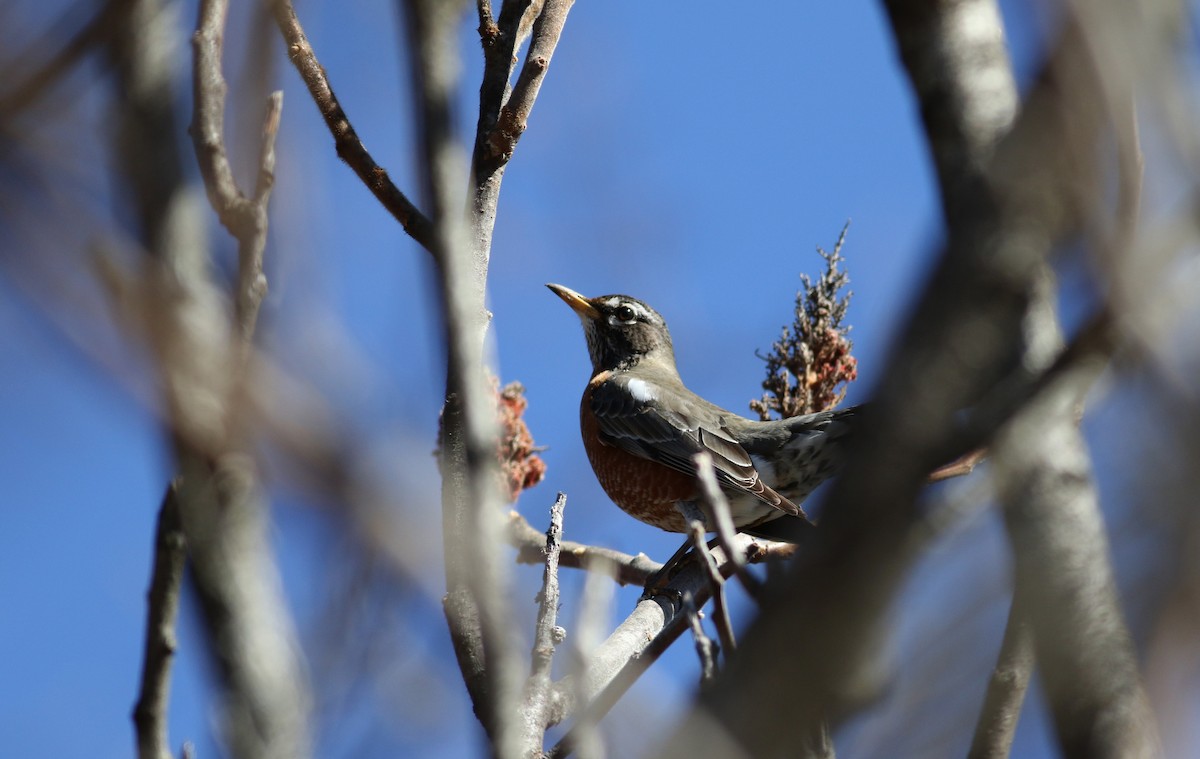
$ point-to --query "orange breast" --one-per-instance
(643, 489)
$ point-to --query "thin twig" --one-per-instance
(960, 467)
(514, 116)
(546, 637)
(500, 42)
(717, 505)
(695, 521)
(245, 217)
(349, 147)
(476, 573)
(162, 601)
(706, 647)
(626, 569)
(997, 725)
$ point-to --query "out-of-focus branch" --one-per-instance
(997, 725)
(476, 577)
(162, 601)
(39, 82)
(244, 217)
(962, 339)
(248, 627)
(349, 147)
(1043, 477)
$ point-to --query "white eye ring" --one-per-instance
(625, 314)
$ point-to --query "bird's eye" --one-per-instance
(624, 313)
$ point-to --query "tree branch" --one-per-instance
(476, 605)
(540, 705)
(244, 217)
(622, 567)
(997, 725)
(349, 147)
(162, 601)
(963, 338)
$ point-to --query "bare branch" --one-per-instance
(718, 506)
(625, 568)
(476, 576)
(514, 116)
(636, 644)
(162, 600)
(546, 637)
(833, 603)
(92, 34)
(500, 42)
(997, 725)
(716, 583)
(349, 147)
(244, 217)
(706, 647)
(250, 635)
(1043, 477)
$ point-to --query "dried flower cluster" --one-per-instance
(520, 464)
(809, 366)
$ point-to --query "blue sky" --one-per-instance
(683, 154)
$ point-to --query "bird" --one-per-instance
(642, 426)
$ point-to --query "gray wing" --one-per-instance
(670, 428)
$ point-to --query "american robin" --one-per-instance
(641, 427)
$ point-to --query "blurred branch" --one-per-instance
(475, 605)
(349, 147)
(997, 725)
(963, 338)
(38, 83)
(1043, 476)
(244, 217)
(162, 601)
(248, 627)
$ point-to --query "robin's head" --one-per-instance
(621, 331)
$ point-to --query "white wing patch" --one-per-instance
(641, 390)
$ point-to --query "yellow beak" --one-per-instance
(577, 302)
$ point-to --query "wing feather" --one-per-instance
(671, 428)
